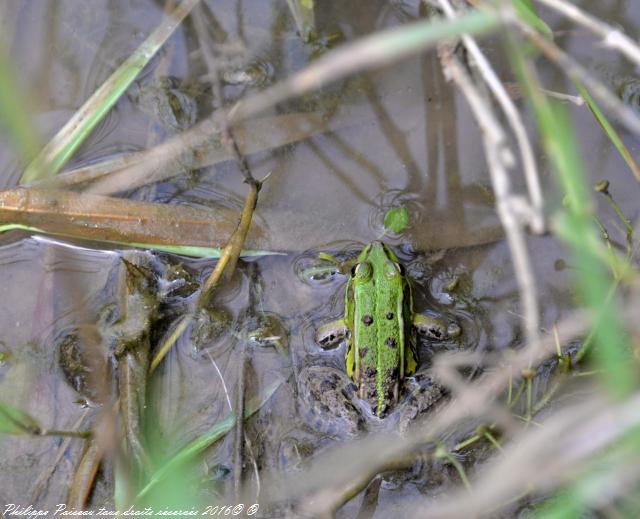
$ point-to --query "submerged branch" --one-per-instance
(532, 213)
(508, 205)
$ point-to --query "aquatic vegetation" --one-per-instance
(480, 408)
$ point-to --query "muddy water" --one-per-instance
(397, 136)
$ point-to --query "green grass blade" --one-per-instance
(527, 12)
(304, 16)
(609, 130)
(16, 421)
(576, 223)
(203, 442)
(59, 150)
(183, 250)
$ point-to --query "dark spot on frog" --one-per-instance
(367, 320)
(435, 332)
(329, 339)
(370, 372)
(392, 373)
(391, 342)
(363, 352)
(390, 316)
(328, 385)
(353, 365)
(348, 391)
(425, 385)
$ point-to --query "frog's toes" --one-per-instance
(454, 330)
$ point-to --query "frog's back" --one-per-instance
(379, 351)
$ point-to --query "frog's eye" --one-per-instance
(362, 271)
(397, 268)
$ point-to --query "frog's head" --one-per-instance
(377, 251)
(377, 257)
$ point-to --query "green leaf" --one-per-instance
(396, 219)
(575, 225)
(184, 250)
(609, 130)
(201, 443)
(15, 421)
(527, 12)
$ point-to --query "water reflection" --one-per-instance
(395, 137)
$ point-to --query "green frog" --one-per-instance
(379, 326)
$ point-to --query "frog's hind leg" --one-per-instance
(331, 334)
(411, 356)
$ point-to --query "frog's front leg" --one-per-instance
(331, 334)
(436, 328)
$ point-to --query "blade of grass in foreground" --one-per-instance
(304, 16)
(602, 476)
(63, 145)
(203, 442)
(16, 421)
(609, 130)
(575, 226)
(527, 12)
(173, 228)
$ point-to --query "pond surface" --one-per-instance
(399, 136)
